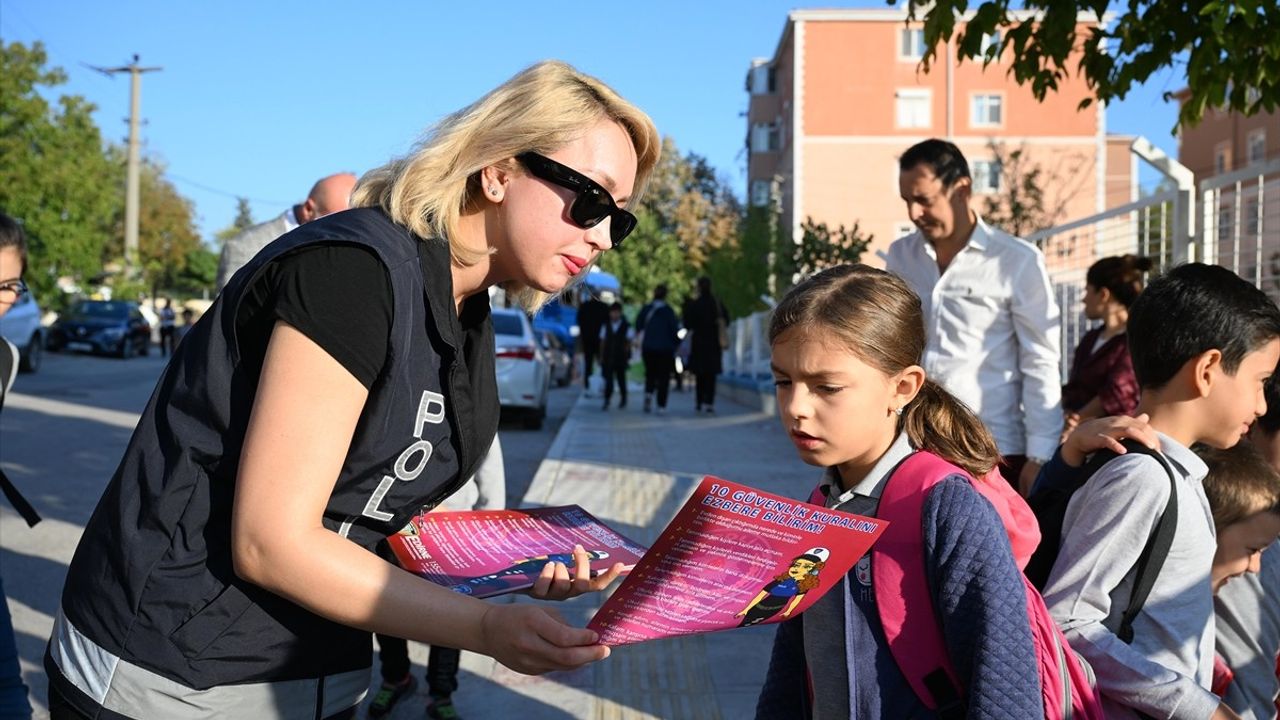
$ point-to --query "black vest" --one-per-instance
(152, 578)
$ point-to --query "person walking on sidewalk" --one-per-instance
(615, 354)
(343, 380)
(486, 491)
(660, 336)
(592, 314)
(703, 318)
(168, 319)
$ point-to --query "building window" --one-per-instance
(911, 43)
(1221, 158)
(1252, 223)
(764, 137)
(1224, 224)
(986, 176)
(763, 80)
(1257, 146)
(760, 192)
(988, 111)
(913, 108)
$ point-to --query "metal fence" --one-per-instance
(1240, 221)
(1143, 228)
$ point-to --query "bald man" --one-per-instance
(329, 195)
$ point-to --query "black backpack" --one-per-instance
(1050, 507)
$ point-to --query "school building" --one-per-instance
(843, 96)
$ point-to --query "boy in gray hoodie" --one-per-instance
(1203, 342)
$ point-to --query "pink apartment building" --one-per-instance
(842, 97)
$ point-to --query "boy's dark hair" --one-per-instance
(616, 306)
(943, 158)
(1240, 483)
(660, 292)
(11, 235)
(1190, 310)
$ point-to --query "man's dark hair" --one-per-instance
(11, 235)
(660, 292)
(616, 306)
(1190, 310)
(943, 158)
(704, 285)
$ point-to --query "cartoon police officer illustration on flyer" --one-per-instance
(787, 589)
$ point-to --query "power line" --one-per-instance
(225, 193)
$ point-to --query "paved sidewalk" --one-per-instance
(633, 471)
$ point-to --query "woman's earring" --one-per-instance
(493, 191)
(898, 411)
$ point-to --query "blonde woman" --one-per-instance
(337, 386)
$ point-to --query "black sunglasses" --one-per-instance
(593, 203)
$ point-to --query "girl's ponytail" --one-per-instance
(936, 421)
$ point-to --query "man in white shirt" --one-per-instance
(329, 195)
(990, 316)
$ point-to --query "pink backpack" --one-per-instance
(903, 597)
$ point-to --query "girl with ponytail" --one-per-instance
(846, 351)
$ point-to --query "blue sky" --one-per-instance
(259, 99)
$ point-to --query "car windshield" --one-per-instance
(109, 310)
(504, 324)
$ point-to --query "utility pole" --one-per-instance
(131, 183)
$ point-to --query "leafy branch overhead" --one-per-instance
(1230, 49)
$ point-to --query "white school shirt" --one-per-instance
(992, 326)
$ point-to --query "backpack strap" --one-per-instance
(1151, 561)
(901, 585)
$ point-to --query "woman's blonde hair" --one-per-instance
(542, 108)
(878, 318)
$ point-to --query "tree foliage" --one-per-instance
(166, 224)
(243, 221)
(1031, 197)
(687, 214)
(1230, 48)
(740, 271)
(821, 247)
(52, 168)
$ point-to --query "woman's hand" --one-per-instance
(1106, 434)
(533, 640)
(554, 582)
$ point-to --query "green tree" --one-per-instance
(52, 166)
(166, 226)
(687, 214)
(740, 270)
(242, 222)
(821, 247)
(198, 274)
(1229, 48)
(650, 256)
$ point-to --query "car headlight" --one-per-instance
(574, 330)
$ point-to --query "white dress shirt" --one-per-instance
(992, 327)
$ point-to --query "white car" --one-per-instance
(524, 375)
(21, 326)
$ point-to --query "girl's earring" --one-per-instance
(898, 412)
